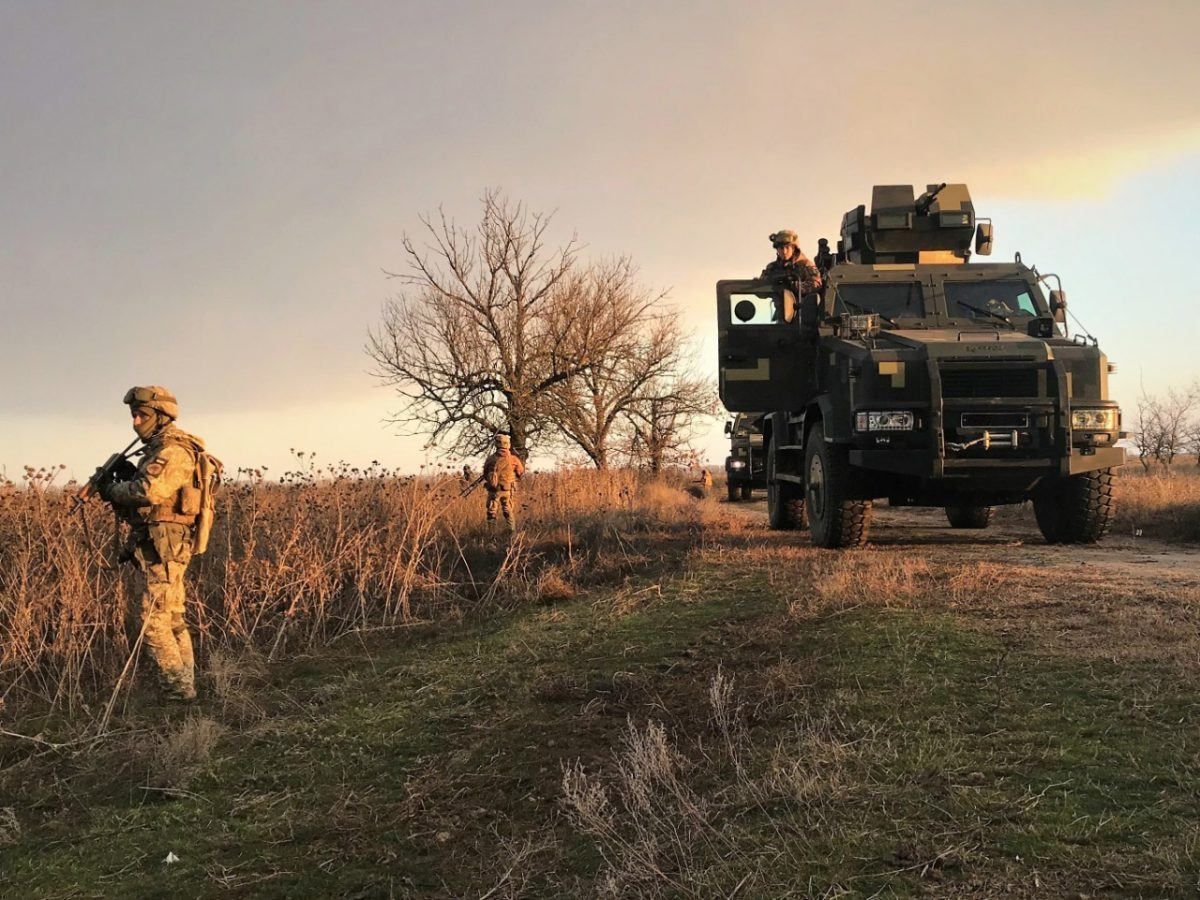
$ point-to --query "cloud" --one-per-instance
(205, 197)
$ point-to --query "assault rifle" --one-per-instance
(471, 487)
(116, 468)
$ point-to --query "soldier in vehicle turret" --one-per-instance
(791, 264)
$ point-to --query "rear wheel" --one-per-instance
(798, 513)
(1077, 509)
(747, 492)
(836, 516)
(781, 495)
(968, 516)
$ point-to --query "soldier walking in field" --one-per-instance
(501, 472)
(168, 502)
(791, 263)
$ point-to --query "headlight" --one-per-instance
(737, 464)
(1094, 419)
(890, 420)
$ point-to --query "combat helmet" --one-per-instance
(785, 236)
(153, 397)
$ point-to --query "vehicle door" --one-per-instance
(761, 353)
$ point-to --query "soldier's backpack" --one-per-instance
(206, 479)
(501, 473)
(199, 499)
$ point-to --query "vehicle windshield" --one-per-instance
(889, 300)
(990, 300)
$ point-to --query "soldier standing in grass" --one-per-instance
(501, 472)
(168, 503)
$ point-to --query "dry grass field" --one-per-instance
(1160, 505)
(641, 694)
(291, 566)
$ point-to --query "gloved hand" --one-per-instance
(122, 471)
(104, 486)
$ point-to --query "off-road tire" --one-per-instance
(733, 492)
(836, 517)
(967, 516)
(798, 513)
(747, 492)
(1077, 509)
(780, 495)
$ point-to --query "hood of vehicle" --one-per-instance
(957, 343)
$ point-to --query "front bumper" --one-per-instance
(924, 463)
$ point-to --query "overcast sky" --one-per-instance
(204, 194)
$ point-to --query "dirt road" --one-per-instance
(1013, 537)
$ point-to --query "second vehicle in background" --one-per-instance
(745, 466)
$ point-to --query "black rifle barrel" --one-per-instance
(926, 201)
(94, 482)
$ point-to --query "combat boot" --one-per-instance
(179, 687)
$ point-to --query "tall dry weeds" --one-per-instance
(293, 564)
(1164, 504)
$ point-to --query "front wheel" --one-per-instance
(733, 492)
(1077, 509)
(968, 516)
(836, 516)
(747, 492)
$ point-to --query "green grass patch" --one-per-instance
(874, 751)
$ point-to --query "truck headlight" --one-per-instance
(737, 464)
(1094, 419)
(887, 420)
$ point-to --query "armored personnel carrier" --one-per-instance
(745, 466)
(921, 377)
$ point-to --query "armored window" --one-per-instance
(990, 300)
(889, 300)
(753, 309)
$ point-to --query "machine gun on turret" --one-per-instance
(926, 199)
(937, 227)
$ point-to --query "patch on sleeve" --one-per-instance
(156, 466)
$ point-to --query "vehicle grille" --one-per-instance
(984, 420)
(979, 383)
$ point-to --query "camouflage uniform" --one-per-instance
(501, 472)
(159, 503)
(799, 269)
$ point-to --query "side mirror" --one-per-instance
(1058, 305)
(744, 310)
(729, 428)
(983, 238)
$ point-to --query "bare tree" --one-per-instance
(474, 346)
(1168, 425)
(665, 416)
(630, 340)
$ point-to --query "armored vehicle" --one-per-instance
(921, 377)
(745, 466)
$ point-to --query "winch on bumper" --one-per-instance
(1028, 431)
